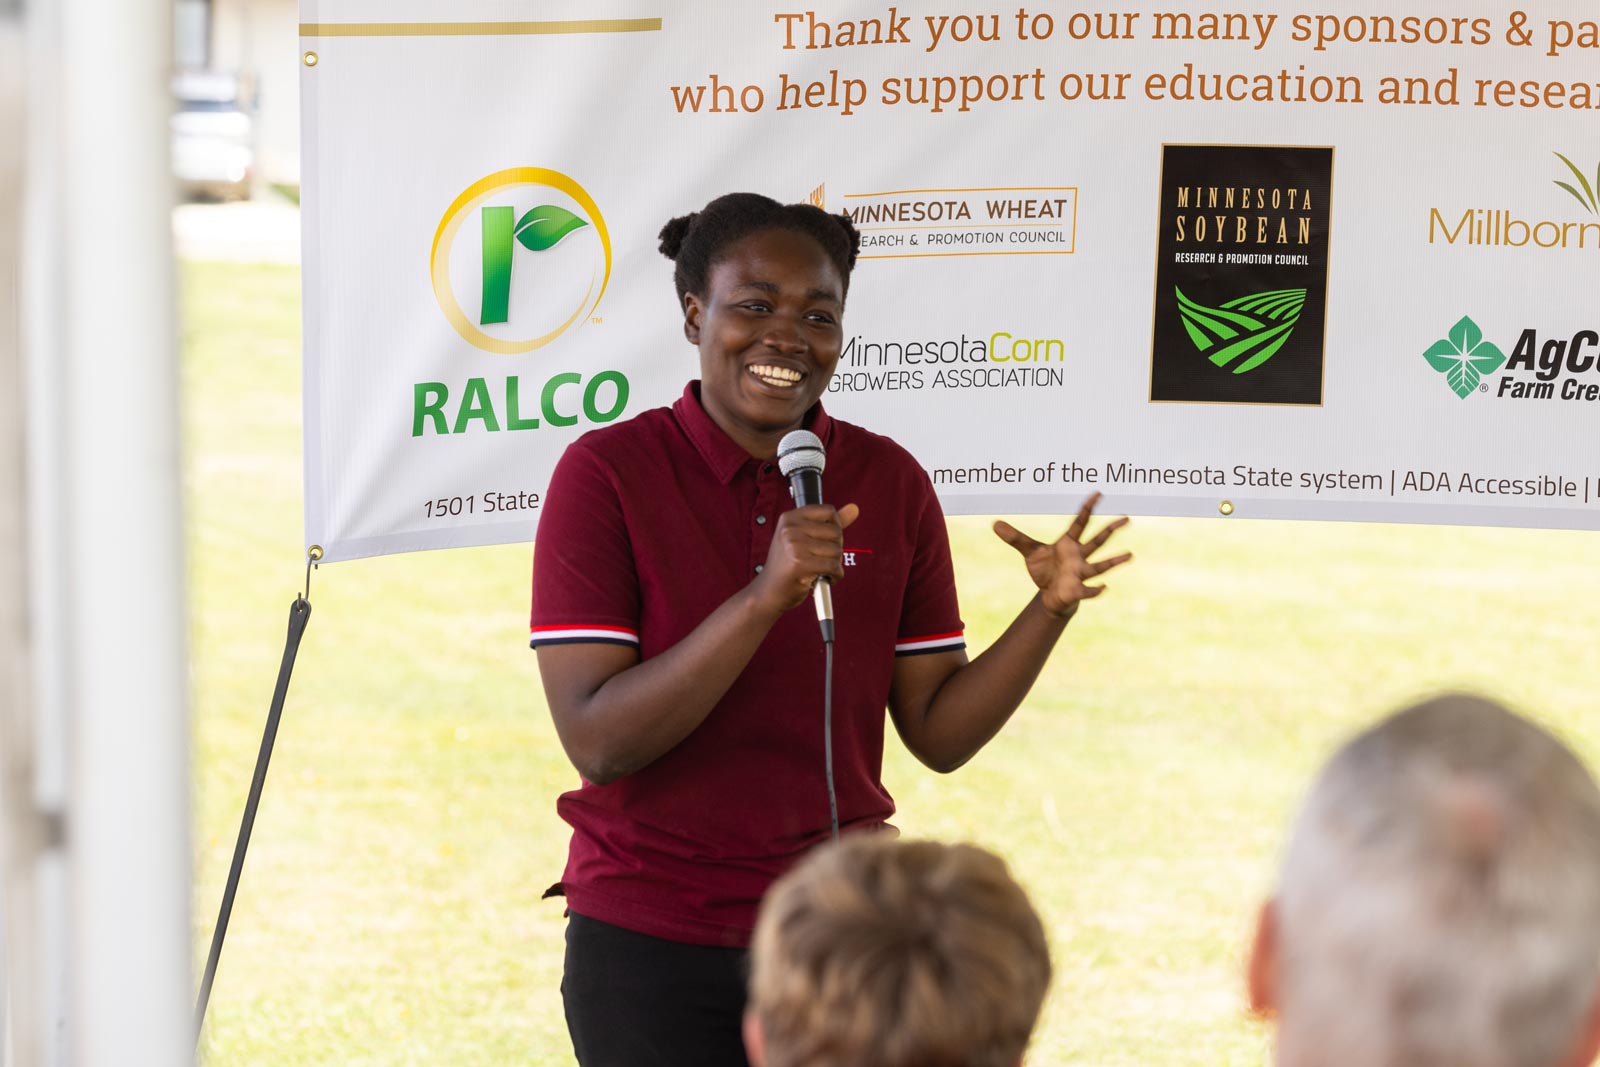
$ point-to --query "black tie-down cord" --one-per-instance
(299, 615)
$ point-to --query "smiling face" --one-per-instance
(768, 329)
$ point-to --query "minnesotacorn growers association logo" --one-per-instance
(1464, 357)
(519, 258)
(1242, 334)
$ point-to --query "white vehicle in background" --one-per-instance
(213, 136)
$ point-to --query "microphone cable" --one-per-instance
(827, 733)
(801, 459)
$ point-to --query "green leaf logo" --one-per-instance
(544, 226)
(1587, 197)
(1464, 357)
(538, 229)
(1251, 328)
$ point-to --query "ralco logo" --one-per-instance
(519, 258)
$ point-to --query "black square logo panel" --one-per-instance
(1241, 275)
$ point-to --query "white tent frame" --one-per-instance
(94, 775)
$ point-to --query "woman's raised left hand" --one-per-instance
(1062, 568)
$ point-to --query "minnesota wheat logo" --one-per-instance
(1464, 357)
(527, 250)
(1251, 328)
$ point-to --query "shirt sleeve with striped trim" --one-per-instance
(585, 581)
(930, 616)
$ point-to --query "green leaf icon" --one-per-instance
(544, 226)
(1464, 357)
(1463, 378)
(1442, 355)
(1587, 197)
(1487, 358)
(1254, 326)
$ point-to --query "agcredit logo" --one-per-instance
(1544, 365)
(1464, 357)
(519, 258)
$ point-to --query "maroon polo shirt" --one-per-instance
(649, 526)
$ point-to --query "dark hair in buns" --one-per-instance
(695, 242)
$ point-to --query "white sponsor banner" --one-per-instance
(1331, 261)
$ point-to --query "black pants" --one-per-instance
(637, 1001)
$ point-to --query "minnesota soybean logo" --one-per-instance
(520, 257)
(1241, 274)
(1464, 357)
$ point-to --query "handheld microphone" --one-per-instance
(801, 458)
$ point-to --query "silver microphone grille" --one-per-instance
(800, 450)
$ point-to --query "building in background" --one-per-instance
(257, 43)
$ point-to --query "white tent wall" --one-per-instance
(94, 773)
(43, 407)
(16, 847)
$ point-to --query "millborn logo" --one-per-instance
(1464, 357)
(527, 250)
(1251, 328)
(1498, 227)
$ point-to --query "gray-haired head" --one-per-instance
(1440, 898)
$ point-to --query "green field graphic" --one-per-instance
(1250, 328)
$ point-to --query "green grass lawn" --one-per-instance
(390, 910)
